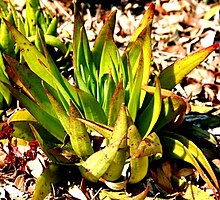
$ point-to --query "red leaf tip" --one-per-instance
(216, 45)
(151, 6)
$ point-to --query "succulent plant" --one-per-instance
(35, 20)
(114, 96)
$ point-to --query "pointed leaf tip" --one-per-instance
(215, 46)
(151, 6)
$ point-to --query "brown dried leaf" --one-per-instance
(216, 162)
(184, 172)
(20, 182)
(163, 181)
(167, 169)
(193, 89)
(2, 159)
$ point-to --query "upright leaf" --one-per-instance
(115, 104)
(134, 100)
(35, 60)
(32, 7)
(91, 108)
(172, 107)
(150, 115)
(106, 32)
(138, 165)
(145, 22)
(120, 131)
(78, 134)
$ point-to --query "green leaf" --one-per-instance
(80, 42)
(150, 115)
(134, 100)
(175, 149)
(22, 115)
(32, 83)
(172, 107)
(54, 126)
(37, 62)
(211, 12)
(52, 28)
(91, 108)
(49, 176)
(145, 22)
(22, 130)
(151, 90)
(115, 103)
(52, 148)
(82, 79)
(120, 131)
(138, 165)
(78, 134)
(108, 89)
(197, 153)
(105, 34)
(32, 7)
(132, 64)
(3, 7)
(110, 61)
(97, 164)
(4, 77)
(6, 40)
(104, 130)
(173, 74)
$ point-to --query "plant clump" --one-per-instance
(115, 115)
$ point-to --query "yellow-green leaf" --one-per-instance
(79, 137)
(105, 33)
(173, 74)
(120, 131)
(175, 149)
(49, 176)
(150, 115)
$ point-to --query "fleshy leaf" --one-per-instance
(37, 62)
(145, 22)
(197, 153)
(115, 103)
(106, 32)
(49, 176)
(91, 108)
(79, 137)
(173, 74)
(98, 163)
(149, 146)
(133, 104)
(104, 130)
(120, 131)
(175, 149)
(172, 107)
(54, 127)
(32, 83)
(138, 165)
(150, 115)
